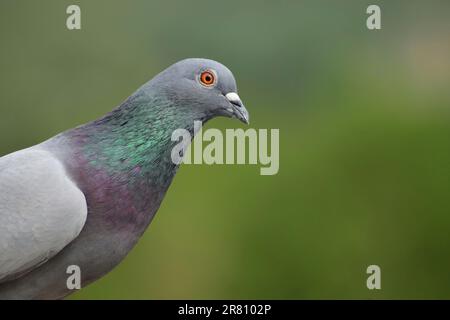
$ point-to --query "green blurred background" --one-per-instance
(364, 140)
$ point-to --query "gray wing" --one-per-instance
(41, 210)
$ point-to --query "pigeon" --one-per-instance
(85, 196)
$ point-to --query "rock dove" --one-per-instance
(84, 197)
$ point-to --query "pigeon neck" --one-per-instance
(134, 143)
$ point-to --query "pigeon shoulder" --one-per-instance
(41, 210)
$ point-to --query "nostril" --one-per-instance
(234, 99)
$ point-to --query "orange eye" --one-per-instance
(207, 78)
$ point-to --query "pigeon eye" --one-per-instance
(207, 78)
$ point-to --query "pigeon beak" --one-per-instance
(237, 108)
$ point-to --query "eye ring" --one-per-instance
(208, 78)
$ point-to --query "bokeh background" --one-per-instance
(364, 140)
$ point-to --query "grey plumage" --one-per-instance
(119, 168)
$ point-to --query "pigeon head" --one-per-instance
(136, 137)
(202, 87)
